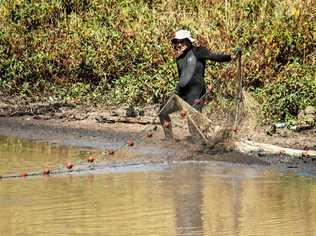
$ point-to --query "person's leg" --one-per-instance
(193, 98)
(170, 107)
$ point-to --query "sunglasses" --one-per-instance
(178, 41)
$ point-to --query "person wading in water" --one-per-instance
(191, 62)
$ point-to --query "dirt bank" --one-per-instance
(88, 126)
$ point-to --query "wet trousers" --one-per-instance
(174, 104)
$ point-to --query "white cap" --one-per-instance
(182, 34)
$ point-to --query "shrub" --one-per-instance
(292, 91)
(119, 51)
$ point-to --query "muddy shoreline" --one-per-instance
(88, 133)
(87, 126)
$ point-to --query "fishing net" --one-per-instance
(201, 128)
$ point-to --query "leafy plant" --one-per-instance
(118, 52)
(292, 91)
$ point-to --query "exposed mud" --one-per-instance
(72, 125)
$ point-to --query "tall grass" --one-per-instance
(115, 52)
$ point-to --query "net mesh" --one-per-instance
(204, 129)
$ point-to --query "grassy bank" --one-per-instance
(114, 52)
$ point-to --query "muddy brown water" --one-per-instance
(170, 198)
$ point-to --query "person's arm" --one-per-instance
(219, 57)
(204, 53)
(187, 72)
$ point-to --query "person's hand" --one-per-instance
(210, 88)
(233, 57)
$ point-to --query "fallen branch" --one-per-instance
(246, 146)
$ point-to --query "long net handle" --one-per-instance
(238, 92)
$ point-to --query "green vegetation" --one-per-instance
(118, 51)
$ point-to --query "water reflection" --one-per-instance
(204, 198)
(188, 200)
(259, 204)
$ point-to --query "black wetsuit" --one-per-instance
(191, 70)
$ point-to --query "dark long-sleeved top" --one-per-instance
(191, 70)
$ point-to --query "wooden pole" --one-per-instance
(238, 92)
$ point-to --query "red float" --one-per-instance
(130, 143)
(167, 124)
(110, 151)
(91, 159)
(24, 174)
(69, 165)
(46, 171)
(183, 114)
